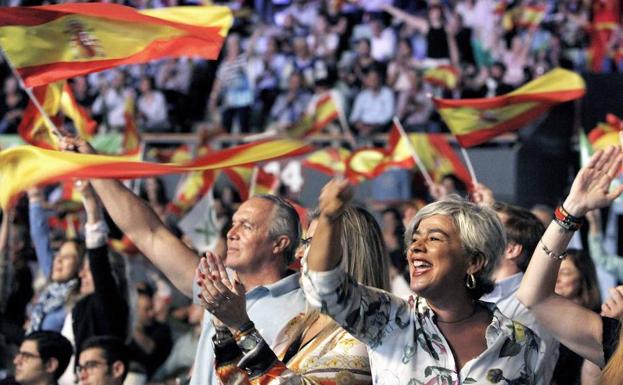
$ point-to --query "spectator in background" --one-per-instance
(233, 87)
(151, 340)
(322, 41)
(374, 106)
(103, 360)
(80, 87)
(179, 361)
(12, 106)
(152, 107)
(42, 358)
(111, 101)
(61, 268)
(382, 41)
(290, 106)
(414, 106)
(302, 62)
(363, 62)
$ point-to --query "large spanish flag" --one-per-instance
(27, 166)
(55, 98)
(475, 121)
(54, 42)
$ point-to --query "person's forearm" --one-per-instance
(145, 229)
(325, 251)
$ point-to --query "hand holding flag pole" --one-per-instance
(414, 155)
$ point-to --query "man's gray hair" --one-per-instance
(480, 230)
(284, 221)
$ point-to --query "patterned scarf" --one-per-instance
(52, 298)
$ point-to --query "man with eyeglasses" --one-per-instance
(103, 360)
(42, 358)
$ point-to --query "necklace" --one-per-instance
(460, 319)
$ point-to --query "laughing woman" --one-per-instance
(584, 332)
(444, 334)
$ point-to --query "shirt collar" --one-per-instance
(504, 288)
(281, 287)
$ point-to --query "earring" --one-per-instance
(471, 281)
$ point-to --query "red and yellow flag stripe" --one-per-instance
(474, 121)
(53, 42)
(27, 166)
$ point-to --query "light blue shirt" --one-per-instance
(373, 108)
(269, 307)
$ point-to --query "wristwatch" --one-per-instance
(250, 341)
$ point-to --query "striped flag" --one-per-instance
(252, 180)
(606, 134)
(434, 151)
(475, 121)
(194, 185)
(56, 99)
(324, 112)
(54, 42)
(445, 76)
(330, 161)
(27, 166)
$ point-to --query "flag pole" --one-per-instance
(468, 163)
(253, 181)
(414, 155)
(32, 97)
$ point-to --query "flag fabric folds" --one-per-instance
(313, 121)
(475, 121)
(193, 186)
(330, 161)
(73, 39)
(606, 134)
(434, 151)
(27, 166)
(55, 98)
(445, 76)
(252, 180)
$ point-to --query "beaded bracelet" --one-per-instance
(567, 221)
(551, 254)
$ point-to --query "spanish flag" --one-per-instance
(606, 134)
(27, 166)
(56, 99)
(445, 76)
(54, 42)
(252, 180)
(605, 24)
(193, 187)
(475, 121)
(330, 161)
(434, 151)
(131, 144)
(322, 113)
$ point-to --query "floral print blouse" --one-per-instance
(404, 343)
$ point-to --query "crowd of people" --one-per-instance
(373, 55)
(459, 289)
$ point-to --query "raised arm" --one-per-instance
(40, 231)
(419, 23)
(143, 226)
(573, 325)
(613, 264)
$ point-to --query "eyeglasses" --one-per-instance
(306, 241)
(89, 366)
(26, 356)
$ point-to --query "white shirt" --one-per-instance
(406, 347)
(504, 297)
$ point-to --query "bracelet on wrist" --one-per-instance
(244, 329)
(551, 254)
(567, 221)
